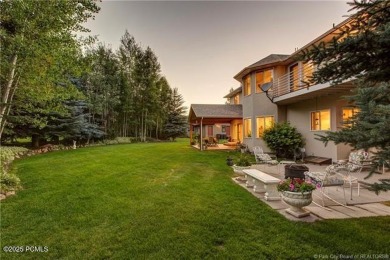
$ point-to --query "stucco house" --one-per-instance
(276, 89)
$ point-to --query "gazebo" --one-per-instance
(202, 115)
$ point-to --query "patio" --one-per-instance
(367, 204)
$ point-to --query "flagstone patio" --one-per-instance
(367, 204)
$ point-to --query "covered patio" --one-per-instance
(209, 123)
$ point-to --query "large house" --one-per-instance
(276, 89)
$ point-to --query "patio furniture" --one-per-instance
(324, 180)
(346, 170)
(262, 182)
(283, 163)
(263, 158)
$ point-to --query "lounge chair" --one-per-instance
(263, 158)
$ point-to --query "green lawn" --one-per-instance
(161, 201)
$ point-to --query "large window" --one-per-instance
(320, 120)
(263, 123)
(247, 127)
(294, 77)
(348, 114)
(262, 77)
(247, 85)
(308, 69)
(237, 99)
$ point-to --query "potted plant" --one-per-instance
(241, 164)
(229, 161)
(297, 193)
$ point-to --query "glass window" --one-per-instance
(308, 69)
(237, 99)
(348, 114)
(320, 120)
(247, 127)
(247, 85)
(263, 123)
(263, 77)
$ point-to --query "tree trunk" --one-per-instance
(35, 141)
(6, 97)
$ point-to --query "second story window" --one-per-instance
(247, 85)
(236, 99)
(263, 77)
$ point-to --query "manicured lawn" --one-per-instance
(161, 201)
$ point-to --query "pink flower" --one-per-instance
(292, 187)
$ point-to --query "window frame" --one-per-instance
(266, 127)
(247, 91)
(245, 130)
(319, 120)
(258, 88)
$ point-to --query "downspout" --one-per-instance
(201, 134)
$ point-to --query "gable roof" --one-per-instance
(268, 61)
(215, 111)
(234, 92)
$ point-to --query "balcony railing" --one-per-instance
(298, 78)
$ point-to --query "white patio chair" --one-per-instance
(263, 158)
(323, 180)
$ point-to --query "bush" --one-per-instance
(283, 139)
(8, 182)
(243, 160)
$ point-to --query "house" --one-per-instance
(221, 121)
(276, 89)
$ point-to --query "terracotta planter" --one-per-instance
(296, 201)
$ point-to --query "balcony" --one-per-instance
(294, 86)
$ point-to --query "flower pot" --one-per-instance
(229, 161)
(296, 201)
(238, 169)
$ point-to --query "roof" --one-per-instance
(272, 59)
(215, 111)
(234, 92)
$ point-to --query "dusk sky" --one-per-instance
(202, 45)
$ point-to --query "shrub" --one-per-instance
(243, 160)
(8, 182)
(283, 139)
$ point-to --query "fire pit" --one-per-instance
(295, 171)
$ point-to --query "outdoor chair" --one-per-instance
(263, 158)
(212, 141)
(324, 180)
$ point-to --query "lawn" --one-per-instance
(161, 201)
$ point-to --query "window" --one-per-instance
(294, 77)
(247, 85)
(320, 120)
(348, 114)
(247, 127)
(237, 99)
(263, 123)
(308, 69)
(263, 77)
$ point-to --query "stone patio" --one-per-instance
(367, 204)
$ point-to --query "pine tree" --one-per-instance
(362, 52)
(176, 124)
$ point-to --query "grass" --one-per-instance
(161, 201)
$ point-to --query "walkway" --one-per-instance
(368, 204)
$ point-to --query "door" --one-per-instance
(210, 130)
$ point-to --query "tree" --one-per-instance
(176, 124)
(36, 38)
(361, 51)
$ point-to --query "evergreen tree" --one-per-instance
(362, 52)
(176, 124)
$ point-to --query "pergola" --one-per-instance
(202, 114)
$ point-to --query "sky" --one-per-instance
(202, 45)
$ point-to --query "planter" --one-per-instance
(229, 161)
(297, 200)
(238, 169)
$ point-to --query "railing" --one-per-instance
(298, 78)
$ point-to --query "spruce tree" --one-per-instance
(361, 51)
(176, 123)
